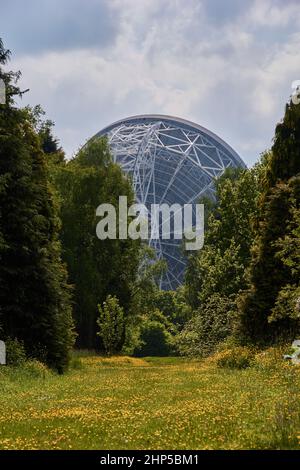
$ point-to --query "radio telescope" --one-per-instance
(170, 160)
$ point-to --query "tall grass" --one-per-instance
(158, 403)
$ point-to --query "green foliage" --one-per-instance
(172, 305)
(221, 272)
(268, 307)
(145, 287)
(76, 363)
(285, 160)
(155, 337)
(156, 315)
(235, 358)
(289, 245)
(217, 273)
(15, 352)
(111, 325)
(132, 334)
(35, 369)
(271, 359)
(10, 78)
(96, 267)
(208, 327)
(34, 294)
(154, 312)
(49, 143)
(287, 303)
(220, 266)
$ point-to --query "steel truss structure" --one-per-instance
(170, 160)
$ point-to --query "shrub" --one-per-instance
(153, 332)
(15, 352)
(235, 358)
(271, 358)
(132, 335)
(35, 369)
(156, 340)
(210, 325)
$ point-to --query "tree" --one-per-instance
(35, 302)
(173, 307)
(220, 266)
(111, 325)
(155, 336)
(96, 267)
(49, 143)
(9, 78)
(208, 327)
(144, 290)
(216, 274)
(264, 313)
(288, 300)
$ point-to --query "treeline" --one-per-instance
(244, 286)
(35, 295)
(60, 286)
(53, 269)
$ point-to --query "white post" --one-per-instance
(2, 353)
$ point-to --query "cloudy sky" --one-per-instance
(225, 64)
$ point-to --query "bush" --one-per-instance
(35, 369)
(132, 335)
(155, 339)
(210, 325)
(235, 358)
(271, 358)
(15, 352)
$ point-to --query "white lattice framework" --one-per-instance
(170, 161)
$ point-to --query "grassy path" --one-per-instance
(126, 403)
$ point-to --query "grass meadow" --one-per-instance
(150, 403)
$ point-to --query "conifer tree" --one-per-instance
(272, 278)
(35, 303)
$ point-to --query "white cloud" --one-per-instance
(270, 13)
(169, 58)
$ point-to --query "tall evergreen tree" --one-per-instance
(269, 274)
(34, 294)
(49, 143)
